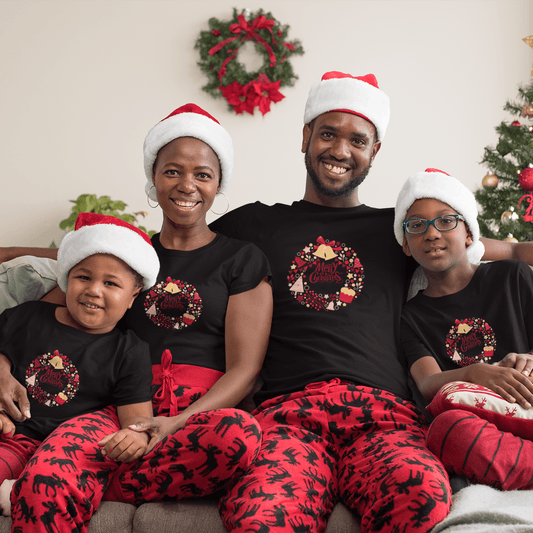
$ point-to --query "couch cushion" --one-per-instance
(186, 516)
(201, 516)
(111, 517)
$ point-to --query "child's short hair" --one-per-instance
(433, 183)
(104, 234)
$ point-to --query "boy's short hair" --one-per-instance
(104, 234)
(439, 185)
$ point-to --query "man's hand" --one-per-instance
(125, 445)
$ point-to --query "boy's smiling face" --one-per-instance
(435, 250)
(100, 289)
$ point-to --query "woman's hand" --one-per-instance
(157, 428)
(125, 445)
(7, 427)
(509, 383)
(12, 391)
(523, 362)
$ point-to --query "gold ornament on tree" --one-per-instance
(508, 216)
(527, 111)
(510, 238)
(490, 181)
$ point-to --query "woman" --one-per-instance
(207, 321)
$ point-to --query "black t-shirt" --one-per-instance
(69, 372)
(339, 281)
(490, 317)
(185, 311)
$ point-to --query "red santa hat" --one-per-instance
(189, 120)
(434, 183)
(360, 96)
(103, 234)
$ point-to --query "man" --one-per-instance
(336, 414)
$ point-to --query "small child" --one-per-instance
(469, 317)
(73, 360)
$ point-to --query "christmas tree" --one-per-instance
(506, 197)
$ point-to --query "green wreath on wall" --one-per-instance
(244, 91)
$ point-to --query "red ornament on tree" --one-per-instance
(525, 179)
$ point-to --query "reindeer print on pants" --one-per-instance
(339, 442)
(65, 480)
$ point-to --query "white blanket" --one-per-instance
(482, 509)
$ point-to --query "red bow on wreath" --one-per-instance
(248, 32)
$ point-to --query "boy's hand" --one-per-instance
(125, 445)
(509, 383)
(523, 362)
(157, 428)
(6, 426)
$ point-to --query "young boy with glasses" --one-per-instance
(462, 325)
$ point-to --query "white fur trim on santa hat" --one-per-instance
(435, 184)
(350, 94)
(189, 125)
(107, 239)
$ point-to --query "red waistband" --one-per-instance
(189, 375)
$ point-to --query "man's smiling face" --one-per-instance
(339, 150)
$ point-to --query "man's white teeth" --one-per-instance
(337, 170)
(91, 306)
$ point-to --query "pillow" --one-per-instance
(24, 279)
(486, 404)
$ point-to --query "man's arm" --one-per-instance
(496, 250)
(12, 252)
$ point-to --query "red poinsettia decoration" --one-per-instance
(257, 93)
(266, 92)
(239, 97)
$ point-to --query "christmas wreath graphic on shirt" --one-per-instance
(173, 304)
(326, 275)
(469, 341)
(52, 379)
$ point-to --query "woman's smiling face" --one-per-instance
(187, 178)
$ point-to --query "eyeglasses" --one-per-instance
(417, 226)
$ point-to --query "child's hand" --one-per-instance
(523, 362)
(125, 445)
(509, 383)
(6, 426)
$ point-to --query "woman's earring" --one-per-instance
(148, 199)
(227, 207)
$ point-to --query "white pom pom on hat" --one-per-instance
(104, 234)
(189, 120)
(434, 183)
(360, 96)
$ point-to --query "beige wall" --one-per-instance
(82, 81)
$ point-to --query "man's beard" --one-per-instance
(341, 192)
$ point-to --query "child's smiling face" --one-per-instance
(436, 250)
(100, 289)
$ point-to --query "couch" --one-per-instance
(186, 516)
(29, 278)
